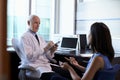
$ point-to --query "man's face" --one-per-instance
(34, 24)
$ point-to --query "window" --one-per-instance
(18, 14)
(43, 8)
(106, 11)
(16, 18)
(90, 12)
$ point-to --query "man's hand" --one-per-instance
(50, 46)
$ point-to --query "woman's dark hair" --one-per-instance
(101, 40)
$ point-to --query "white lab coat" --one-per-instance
(35, 55)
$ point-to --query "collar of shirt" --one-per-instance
(32, 32)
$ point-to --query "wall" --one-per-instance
(4, 58)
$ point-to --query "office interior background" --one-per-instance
(63, 18)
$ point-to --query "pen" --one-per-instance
(54, 45)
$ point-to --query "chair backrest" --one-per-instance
(18, 48)
(108, 74)
(116, 60)
(20, 52)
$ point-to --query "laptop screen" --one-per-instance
(68, 42)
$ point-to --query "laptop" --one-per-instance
(68, 44)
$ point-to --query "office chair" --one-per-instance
(108, 74)
(116, 60)
(19, 50)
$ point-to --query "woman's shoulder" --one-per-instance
(98, 58)
(98, 54)
(105, 59)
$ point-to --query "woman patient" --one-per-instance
(103, 53)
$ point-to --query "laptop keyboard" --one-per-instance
(65, 49)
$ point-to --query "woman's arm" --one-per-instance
(75, 63)
(73, 74)
(96, 64)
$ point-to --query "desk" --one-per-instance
(82, 58)
(82, 54)
(75, 54)
(14, 60)
(14, 63)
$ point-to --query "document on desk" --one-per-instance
(66, 52)
(86, 55)
(55, 65)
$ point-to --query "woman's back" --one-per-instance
(107, 64)
(107, 73)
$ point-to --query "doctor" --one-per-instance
(37, 51)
